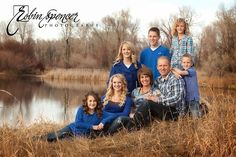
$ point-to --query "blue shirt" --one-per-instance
(113, 110)
(191, 85)
(149, 58)
(129, 73)
(84, 122)
(179, 48)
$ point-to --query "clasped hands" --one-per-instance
(98, 127)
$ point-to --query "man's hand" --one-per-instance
(152, 97)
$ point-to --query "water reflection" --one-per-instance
(41, 100)
(57, 101)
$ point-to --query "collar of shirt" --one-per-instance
(162, 79)
(154, 48)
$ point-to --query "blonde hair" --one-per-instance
(133, 58)
(110, 90)
(186, 26)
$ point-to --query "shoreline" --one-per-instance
(86, 75)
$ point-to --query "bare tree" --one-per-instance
(113, 30)
(218, 43)
(67, 33)
(25, 31)
(3, 34)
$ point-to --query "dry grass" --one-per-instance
(213, 135)
(87, 75)
(227, 82)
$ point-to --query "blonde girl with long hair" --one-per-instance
(116, 103)
(126, 63)
(182, 42)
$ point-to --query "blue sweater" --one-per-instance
(149, 58)
(191, 84)
(129, 73)
(84, 122)
(112, 110)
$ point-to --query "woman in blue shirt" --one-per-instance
(115, 102)
(126, 63)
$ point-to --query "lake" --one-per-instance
(33, 100)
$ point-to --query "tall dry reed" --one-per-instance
(77, 74)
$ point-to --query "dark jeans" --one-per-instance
(146, 112)
(118, 124)
(111, 128)
(60, 134)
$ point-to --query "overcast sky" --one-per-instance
(145, 11)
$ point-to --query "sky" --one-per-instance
(146, 11)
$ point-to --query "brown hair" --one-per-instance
(145, 71)
(98, 108)
(187, 55)
(154, 29)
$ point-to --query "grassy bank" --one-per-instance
(213, 135)
(94, 75)
(77, 74)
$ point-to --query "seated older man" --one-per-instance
(170, 103)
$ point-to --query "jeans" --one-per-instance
(111, 128)
(145, 112)
(194, 108)
(118, 124)
(60, 134)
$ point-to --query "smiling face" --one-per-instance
(163, 66)
(180, 27)
(145, 80)
(126, 51)
(117, 84)
(91, 103)
(153, 38)
(186, 63)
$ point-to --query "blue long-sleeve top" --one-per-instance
(84, 122)
(130, 73)
(149, 58)
(113, 110)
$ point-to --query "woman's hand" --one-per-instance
(95, 127)
(100, 126)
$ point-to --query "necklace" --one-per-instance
(145, 91)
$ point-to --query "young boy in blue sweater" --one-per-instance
(191, 84)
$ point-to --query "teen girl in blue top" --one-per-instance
(182, 43)
(127, 64)
(116, 103)
(88, 117)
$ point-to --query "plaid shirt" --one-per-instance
(172, 91)
(179, 48)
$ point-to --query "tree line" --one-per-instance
(94, 46)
